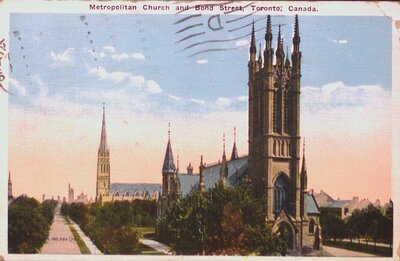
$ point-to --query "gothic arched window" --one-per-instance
(311, 226)
(280, 194)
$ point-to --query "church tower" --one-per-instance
(170, 182)
(10, 195)
(223, 173)
(274, 128)
(103, 163)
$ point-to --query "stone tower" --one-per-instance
(274, 130)
(10, 195)
(103, 163)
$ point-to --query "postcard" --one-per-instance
(199, 130)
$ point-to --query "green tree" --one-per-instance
(219, 221)
(28, 225)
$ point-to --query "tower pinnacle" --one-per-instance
(253, 48)
(234, 154)
(103, 148)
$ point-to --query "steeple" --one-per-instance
(223, 173)
(202, 187)
(234, 154)
(169, 165)
(103, 148)
(253, 48)
(103, 163)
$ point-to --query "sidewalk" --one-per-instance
(60, 240)
(156, 245)
(339, 252)
(92, 247)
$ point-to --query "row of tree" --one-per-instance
(219, 222)
(370, 224)
(112, 226)
(28, 224)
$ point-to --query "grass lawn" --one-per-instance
(82, 246)
(147, 232)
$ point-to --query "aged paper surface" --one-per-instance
(122, 101)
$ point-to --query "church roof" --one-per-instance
(169, 165)
(132, 188)
(188, 183)
(311, 204)
(236, 171)
(336, 204)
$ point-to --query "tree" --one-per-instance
(219, 221)
(28, 224)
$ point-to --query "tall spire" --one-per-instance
(223, 173)
(234, 154)
(103, 148)
(169, 165)
(253, 48)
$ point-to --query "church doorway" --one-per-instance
(285, 232)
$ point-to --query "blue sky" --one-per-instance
(353, 50)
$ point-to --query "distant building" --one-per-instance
(10, 194)
(340, 207)
(71, 197)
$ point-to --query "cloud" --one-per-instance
(202, 61)
(120, 57)
(137, 81)
(176, 98)
(138, 56)
(243, 98)
(337, 94)
(14, 83)
(341, 41)
(125, 56)
(153, 87)
(102, 74)
(63, 58)
(197, 101)
(242, 42)
(96, 54)
(223, 102)
(109, 48)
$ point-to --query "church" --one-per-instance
(272, 165)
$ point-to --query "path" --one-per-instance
(156, 245)
(60, 240)
(339, 252)
(92, 247)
